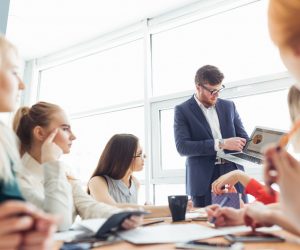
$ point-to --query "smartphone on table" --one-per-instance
(209, 246)
(254, 237)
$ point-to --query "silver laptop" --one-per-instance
(252, 153)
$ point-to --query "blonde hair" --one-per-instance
(8, 145)
(294, 103)
(26, 119)
(5, 47)
(284, 23)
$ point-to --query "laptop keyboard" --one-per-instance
(249, 158)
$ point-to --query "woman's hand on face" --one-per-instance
(133, 222)
(50, 151)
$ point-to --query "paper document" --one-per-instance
(68, 235)
(196, 213)
(92, 225)
(178, 233)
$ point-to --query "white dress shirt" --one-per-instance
(47, 187)
(213, 121)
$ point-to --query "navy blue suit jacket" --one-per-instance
(194, 139)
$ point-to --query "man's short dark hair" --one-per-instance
(209, 74)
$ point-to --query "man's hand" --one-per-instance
(234, 143)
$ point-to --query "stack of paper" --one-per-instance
(178, 233)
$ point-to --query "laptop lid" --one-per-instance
(260, 138)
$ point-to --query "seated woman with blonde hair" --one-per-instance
(113, 182)
(42, 126)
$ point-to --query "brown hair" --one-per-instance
(26, 119)
(209, 74)
(117, 156)
(284, 22)
(294, 103)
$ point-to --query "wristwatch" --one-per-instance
(221, 143)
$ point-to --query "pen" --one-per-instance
(222, 204)
(272, 172)
(285, 139)
(152, 222)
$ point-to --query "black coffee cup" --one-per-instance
(177, 205)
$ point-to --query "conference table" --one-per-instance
(291, 243)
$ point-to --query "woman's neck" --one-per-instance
(127, 179)
(35, 153)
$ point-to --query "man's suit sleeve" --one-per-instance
(239, 127)
(185, 144)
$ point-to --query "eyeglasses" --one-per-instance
(213, 91)
(140, 155)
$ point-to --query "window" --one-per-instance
(162, 191)
(93, 133)
(236, 41)
(169, 155)
(107, 78)
(255, 108)
(252, 109)
(104, 92)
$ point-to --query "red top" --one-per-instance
(259, 192)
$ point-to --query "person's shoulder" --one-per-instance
(225, 101)
(186, 102)
(98, 181)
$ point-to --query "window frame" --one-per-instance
(153, 105)
(247, 87)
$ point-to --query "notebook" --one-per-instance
(234, 199)
(100, 228)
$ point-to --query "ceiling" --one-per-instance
(41, 27)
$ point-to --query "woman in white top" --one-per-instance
(21, 224)
(33, 125)
(113, 182)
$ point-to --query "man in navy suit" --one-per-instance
(204, 126)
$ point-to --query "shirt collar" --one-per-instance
(201, 105)
(32, 166)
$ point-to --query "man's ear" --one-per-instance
(39, 133)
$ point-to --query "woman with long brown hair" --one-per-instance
(113, 181)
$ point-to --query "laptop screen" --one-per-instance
(262, 137)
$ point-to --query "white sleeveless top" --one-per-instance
(120, 192)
